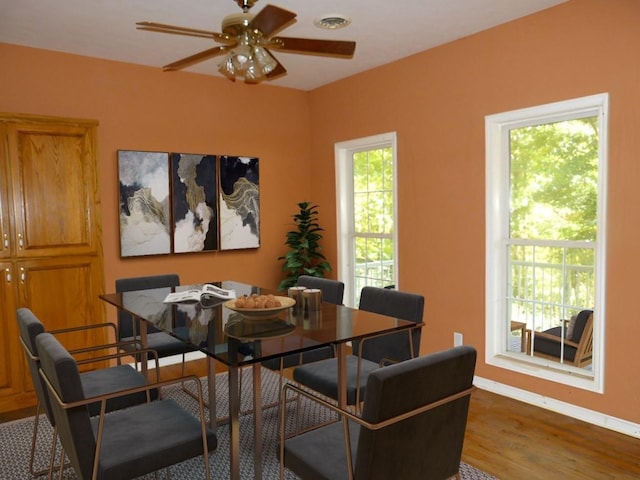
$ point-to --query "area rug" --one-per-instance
(15, 436)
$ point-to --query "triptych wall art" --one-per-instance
(182, 203)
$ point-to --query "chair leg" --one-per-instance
(62, 456)
(52, 451)
(34, 437)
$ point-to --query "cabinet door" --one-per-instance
(54, 189)
(63, 292)
(11, 353)
(5, 221)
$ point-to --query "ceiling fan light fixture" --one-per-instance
(332, 21)
(241, 57)
(252, 63)
(265, 61)
(227, 68)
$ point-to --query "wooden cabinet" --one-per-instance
(50, 229)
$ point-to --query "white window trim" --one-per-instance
(497, 200)
(344, 203)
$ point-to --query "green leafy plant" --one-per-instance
(304, 257)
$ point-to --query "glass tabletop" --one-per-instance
(230, 338)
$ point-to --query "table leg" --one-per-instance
(257, 419)
(234, 423)
(211, 393)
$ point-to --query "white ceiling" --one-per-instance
(385, 30)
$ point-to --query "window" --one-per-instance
(366, 187)
(546, 192)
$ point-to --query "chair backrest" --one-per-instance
(74, 424)
(125, 321)
(30, 327)
(427, 445)
(393, 303)
(583, 336)
(332, 290)
(580, 325)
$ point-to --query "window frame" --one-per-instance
(497, 164)
(344, 152)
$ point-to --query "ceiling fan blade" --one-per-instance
(193, 32)
(334, 48)
(271, 19)
(278, 71)
(198, 57)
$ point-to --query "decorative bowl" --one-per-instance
(261, 313)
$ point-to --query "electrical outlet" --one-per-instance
(457, 339)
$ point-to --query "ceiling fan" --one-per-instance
(247, 40)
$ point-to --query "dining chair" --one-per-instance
(128, 327)
(94, 382)
(373, 352)
(413, 423)
(332, 292)
(126, 443)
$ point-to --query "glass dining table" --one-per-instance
(224, 335)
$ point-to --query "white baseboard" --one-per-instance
(573, 411)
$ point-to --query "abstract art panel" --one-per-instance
(144, 203)
(239, 203)
(195, 202)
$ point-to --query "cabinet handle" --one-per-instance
(20, 243)
(6, 241)
(23, 275)
(7, 274)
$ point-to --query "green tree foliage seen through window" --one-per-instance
(554, 177)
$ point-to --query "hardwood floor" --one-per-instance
(516, 441)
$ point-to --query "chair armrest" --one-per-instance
(385, 362)
(120, 393)
(107, 346)
(95, 326)
(556, 339)
(360, 420)
(92, 326)
(119, 355)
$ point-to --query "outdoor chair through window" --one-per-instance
(576, 348)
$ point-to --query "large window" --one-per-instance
(366, 180)
(546, 192)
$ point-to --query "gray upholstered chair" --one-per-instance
(128, 328)
(332, 292)
(412, 426)
(94, 382)
(126, 443)
(371, 353)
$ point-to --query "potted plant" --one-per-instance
(304, 257)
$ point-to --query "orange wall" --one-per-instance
(142, 108)
(436, 101)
